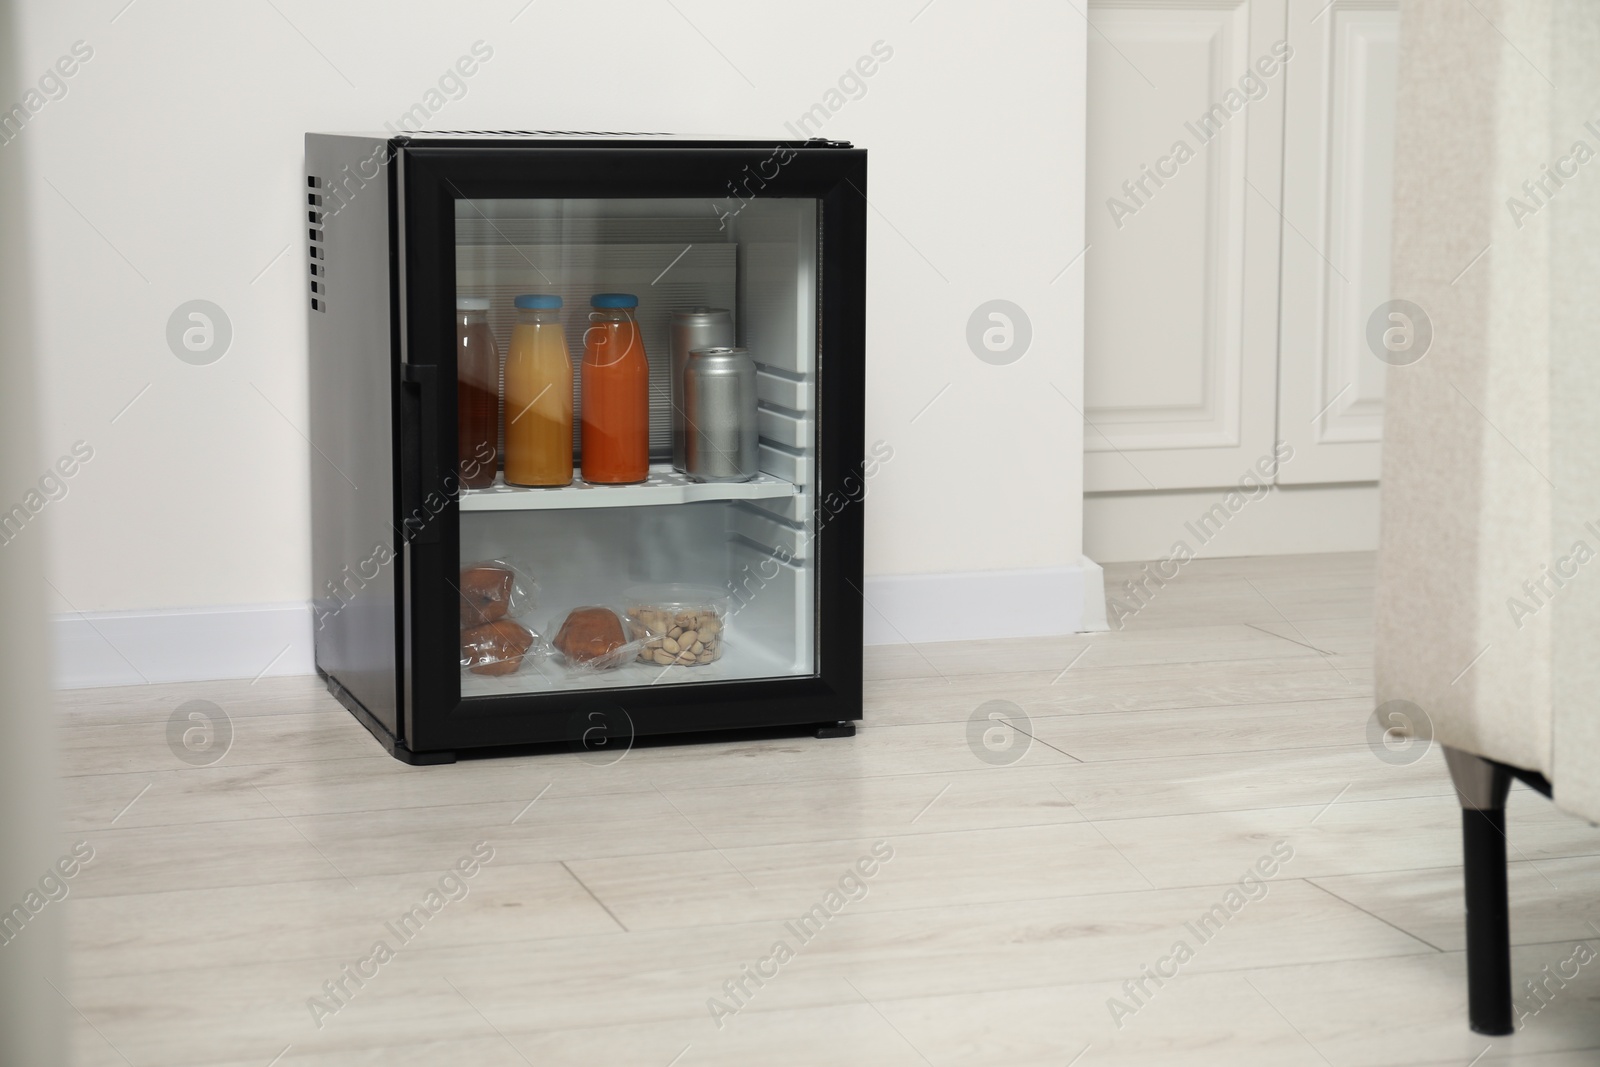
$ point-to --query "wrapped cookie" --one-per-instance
(593, 638)
(496, 648)
(492, 590)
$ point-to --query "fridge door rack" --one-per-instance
(664, 486)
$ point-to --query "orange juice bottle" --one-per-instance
(538, 396)
(616, 393)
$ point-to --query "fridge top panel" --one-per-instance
(587, 137)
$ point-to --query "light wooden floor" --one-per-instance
(1164, 761)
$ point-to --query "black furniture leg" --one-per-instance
(1483, 850)
(1482, 787)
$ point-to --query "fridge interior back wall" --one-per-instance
(395, 243)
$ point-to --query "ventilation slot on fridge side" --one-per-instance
(318, 258)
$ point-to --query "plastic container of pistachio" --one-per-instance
(679, 625)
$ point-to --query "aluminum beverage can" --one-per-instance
(719, 392)
(692, 329)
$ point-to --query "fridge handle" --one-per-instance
(420, 434)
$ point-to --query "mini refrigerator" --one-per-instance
(458, 612)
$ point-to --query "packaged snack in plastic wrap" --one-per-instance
(498, 647)
(679, 625)
(593, 638)
(494, 589)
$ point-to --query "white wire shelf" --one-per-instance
(663, 486)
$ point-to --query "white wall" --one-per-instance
(171, 171)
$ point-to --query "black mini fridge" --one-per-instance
(463, 605)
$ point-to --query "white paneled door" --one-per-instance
(1240, 155)
(1338, 166)
(1186, 104)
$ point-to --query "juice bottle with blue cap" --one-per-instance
(616, 393)
(538, 396)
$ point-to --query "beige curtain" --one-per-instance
(32, 1014)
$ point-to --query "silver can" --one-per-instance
(719, 410)
(692, 329)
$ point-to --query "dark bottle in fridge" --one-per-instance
(477, 393)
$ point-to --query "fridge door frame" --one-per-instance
(430, 177)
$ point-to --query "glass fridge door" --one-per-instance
(637, 441)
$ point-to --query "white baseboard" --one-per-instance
(1130, 527)
(204, 644)
(1094, 598)
(194, 645)
(917, 608)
